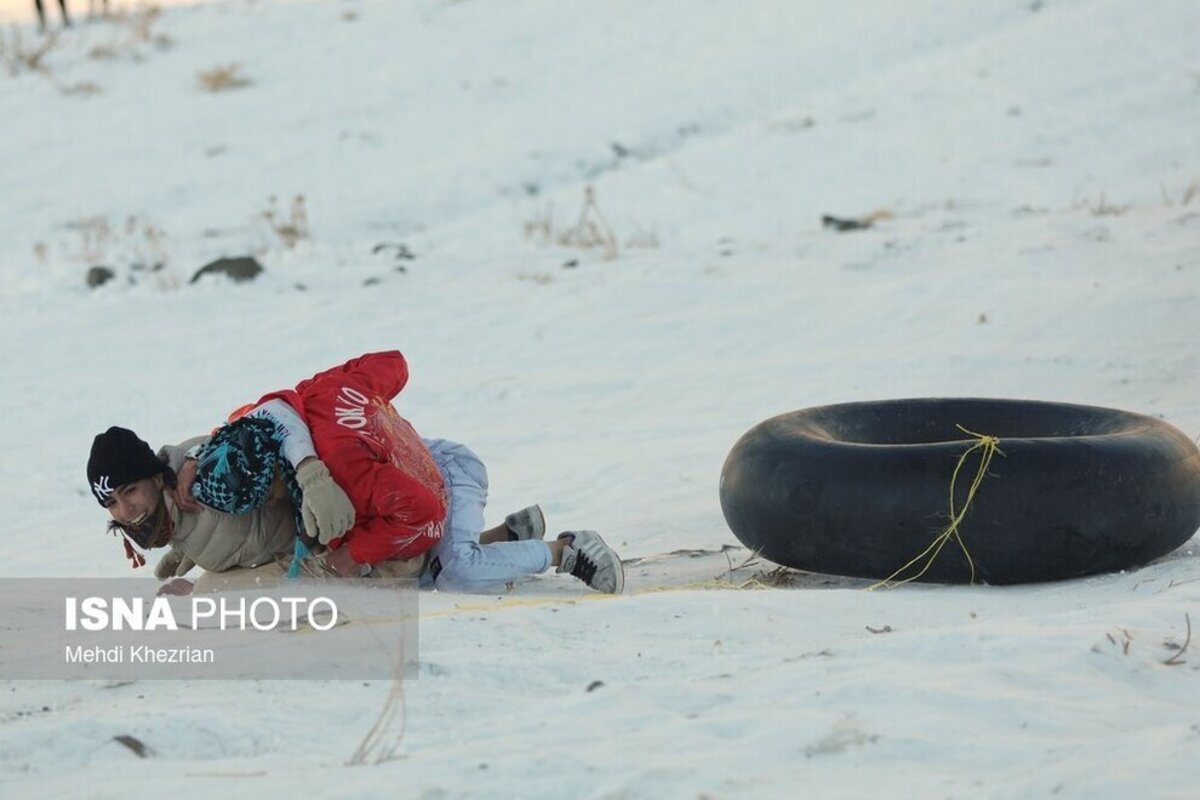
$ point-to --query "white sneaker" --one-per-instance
(528, 523)
(588, 558)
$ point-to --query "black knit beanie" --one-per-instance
(119, 457)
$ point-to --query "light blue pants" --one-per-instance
(459, 563)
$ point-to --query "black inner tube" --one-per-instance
(861, 488)
(933, 421)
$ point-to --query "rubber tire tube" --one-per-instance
(859, 489)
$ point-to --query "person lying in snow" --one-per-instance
(416, 505)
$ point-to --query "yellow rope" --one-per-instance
(527, 601)
(987, 446)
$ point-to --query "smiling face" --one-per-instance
(139, 509)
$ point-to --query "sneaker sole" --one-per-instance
(537, 523)
(619, 572)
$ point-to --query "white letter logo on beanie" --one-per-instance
(102, 489)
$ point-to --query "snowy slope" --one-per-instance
(1041, 166)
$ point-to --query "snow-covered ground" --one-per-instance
(1041, 165)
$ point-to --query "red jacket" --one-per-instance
(375, 455)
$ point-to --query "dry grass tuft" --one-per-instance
(17, 57)
(590, 232)
(141, 24)
(148, 242)
(223, 78)
(541, 227)
(1100, 207)
(104, 52)
(137, 245)
(81, 89)
(383, 740)
(291, 229)
(95, 236)
(135, 28)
